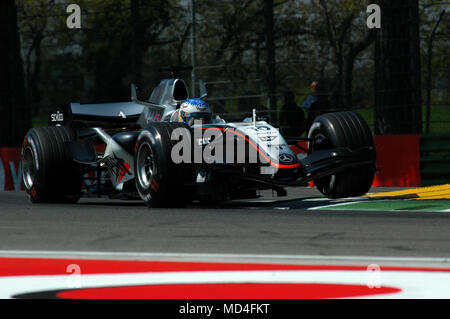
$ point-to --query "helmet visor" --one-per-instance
(189, 118)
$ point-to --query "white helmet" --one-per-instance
(194, 109)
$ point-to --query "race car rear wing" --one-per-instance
(106, 115)
(118, 114)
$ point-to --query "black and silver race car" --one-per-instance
(137, 150)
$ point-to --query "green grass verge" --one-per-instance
(439, 118)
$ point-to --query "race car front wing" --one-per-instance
(322, 163)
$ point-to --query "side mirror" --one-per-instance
(203, 91)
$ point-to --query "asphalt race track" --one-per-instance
(302, 228)
(285, 227)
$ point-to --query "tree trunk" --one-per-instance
(14, 113)
(270, 47)
(348, 81)
(337, 100)
(398, 107)
(136, 43)
(35, 77)
(349, 63)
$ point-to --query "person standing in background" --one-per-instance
(315, 104)
(292, 119)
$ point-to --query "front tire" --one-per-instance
(161, 182)
(343, 129)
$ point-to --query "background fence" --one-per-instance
(261, 54)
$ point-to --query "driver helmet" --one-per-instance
(194, 109)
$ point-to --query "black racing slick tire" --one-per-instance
(343, 129)
(160, 181)
(49, 174)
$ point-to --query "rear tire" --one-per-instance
(343, 129)
(49, 175)
(161, 182)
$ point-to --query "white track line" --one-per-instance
(194, 256)
(334, 205)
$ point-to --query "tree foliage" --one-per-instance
(123, 41)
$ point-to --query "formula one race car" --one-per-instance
(169, 151)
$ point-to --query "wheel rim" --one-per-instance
(145, 165)
(28, 167)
